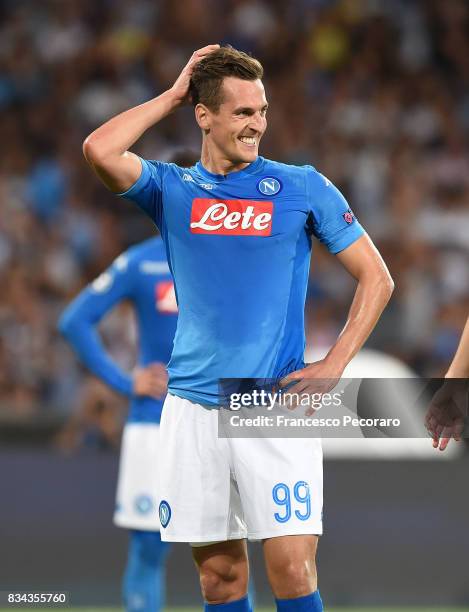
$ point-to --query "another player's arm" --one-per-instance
(107, 148)
(78, 324)
(459, 367)
(448, 410)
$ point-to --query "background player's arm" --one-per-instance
(448, 410)
(78, 325)
(107, 148)
(459, 367)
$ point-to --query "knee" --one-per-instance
(223, 582)
(294, 579)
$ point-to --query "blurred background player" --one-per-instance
(140, 275)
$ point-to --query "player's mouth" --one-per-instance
(249, 141)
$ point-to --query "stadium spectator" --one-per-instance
(373, 94)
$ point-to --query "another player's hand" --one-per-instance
(318, 377)
(151, 381)
(445, 415)
(180, 89)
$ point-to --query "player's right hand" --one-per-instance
(151, 381)
(180, 89)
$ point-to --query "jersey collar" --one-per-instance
(253, 167)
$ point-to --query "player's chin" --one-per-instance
(248, 154)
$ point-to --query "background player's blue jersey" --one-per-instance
(239, 249)
(140, 275)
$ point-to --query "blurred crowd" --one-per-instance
(374, 94)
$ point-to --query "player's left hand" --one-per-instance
(445, 415)
(316, 378)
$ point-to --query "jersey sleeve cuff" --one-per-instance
(345, 238)
(139, 183)
(127, 386)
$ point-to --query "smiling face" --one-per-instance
(233, 132)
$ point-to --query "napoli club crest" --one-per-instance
(143, 504)
(269, 186)
(165, 513)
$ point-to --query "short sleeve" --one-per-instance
(331, 219)
(109, 288)
(147, 191)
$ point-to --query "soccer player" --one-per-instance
(447, 413)
(140, 275)
(238, 230)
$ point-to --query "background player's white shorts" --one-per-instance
(137, 487)
(217, 489)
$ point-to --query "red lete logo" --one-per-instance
(231, 217)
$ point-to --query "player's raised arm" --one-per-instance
(107, 148)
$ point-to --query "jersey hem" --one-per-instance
(192, 397)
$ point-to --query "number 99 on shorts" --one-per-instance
(292, 502)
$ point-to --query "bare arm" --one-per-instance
(107, 148)
(375, 286)
(447, 413)
(459, 367)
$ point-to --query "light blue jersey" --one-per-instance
(140, 275)
(239, 249)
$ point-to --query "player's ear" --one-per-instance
(202, 116)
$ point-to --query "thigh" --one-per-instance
(230, 552)
(137, 487)
(195, 484)
(280, 485)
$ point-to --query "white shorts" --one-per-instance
(217, 489)
(137, 487)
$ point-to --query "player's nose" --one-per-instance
(257, 122)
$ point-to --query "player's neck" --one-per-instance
(217, 164)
